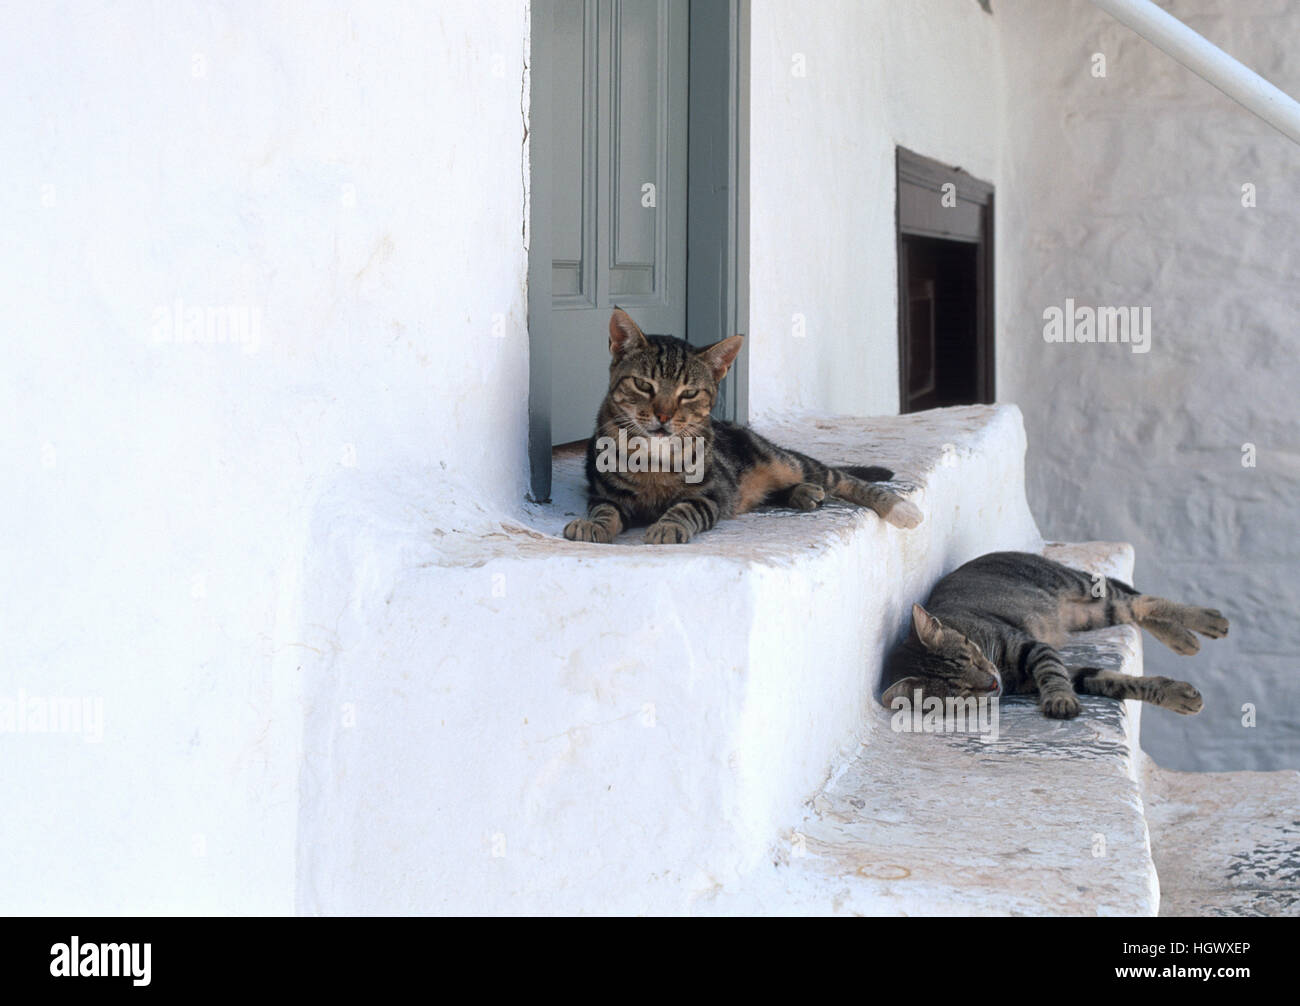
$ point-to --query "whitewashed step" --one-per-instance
(504, 721)
(1225, 843)
(1046, 819)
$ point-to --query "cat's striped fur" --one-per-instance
(993, 627)
(661, 386)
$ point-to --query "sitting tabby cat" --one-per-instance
(662, 387)
(992, 626)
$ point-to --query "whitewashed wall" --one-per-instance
(1127, 190)
(354, 174)
(348, 178)
(835, 87)
(1117, 191)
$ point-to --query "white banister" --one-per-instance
(1202, 57)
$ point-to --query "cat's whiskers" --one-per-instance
(626, 423)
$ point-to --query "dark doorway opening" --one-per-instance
(942, 337)
(945, 280)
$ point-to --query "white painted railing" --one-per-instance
(1207, 60)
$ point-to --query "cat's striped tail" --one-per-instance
(867, 473)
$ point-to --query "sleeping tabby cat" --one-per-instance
(661, 387)
(992, 626)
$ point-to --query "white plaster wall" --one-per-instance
(926, 75)
(1127, 190)
(349, 173)
(353, 172)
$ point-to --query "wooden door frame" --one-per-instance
(930, 218)
(729, 282)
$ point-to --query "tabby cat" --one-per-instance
(661, 388)
(992, 626)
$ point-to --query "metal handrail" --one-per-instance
(1240, 83)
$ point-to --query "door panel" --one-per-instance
(619, 117)
(573, 151)
(639, 90)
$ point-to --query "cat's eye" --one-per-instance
(688, 395)
(643, 386)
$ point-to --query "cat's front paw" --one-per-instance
(903, 513)
(806, 496)
(1180, 697)
(587, 530)
(665, 533)
(1060, 705)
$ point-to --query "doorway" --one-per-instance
(945, 286)
(638, 145)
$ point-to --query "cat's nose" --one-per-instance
(663, 417)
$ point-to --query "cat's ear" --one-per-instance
(624, 335)
(928, 628)
(900, 690)
(721, 355)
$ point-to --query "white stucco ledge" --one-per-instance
(1225, 843)
(1046, 819)
(502, 721)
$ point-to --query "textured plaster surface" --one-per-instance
(834, 87)
(503, 720)
(1225, 843)
(218, 539)
(1046, 819)
(350, 176)
(1128, 190)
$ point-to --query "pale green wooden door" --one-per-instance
(618, 129)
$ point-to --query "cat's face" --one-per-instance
(953, 665)
(661, 386)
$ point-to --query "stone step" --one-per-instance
(1045, 819)
(538, 725)
(1224, 843)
